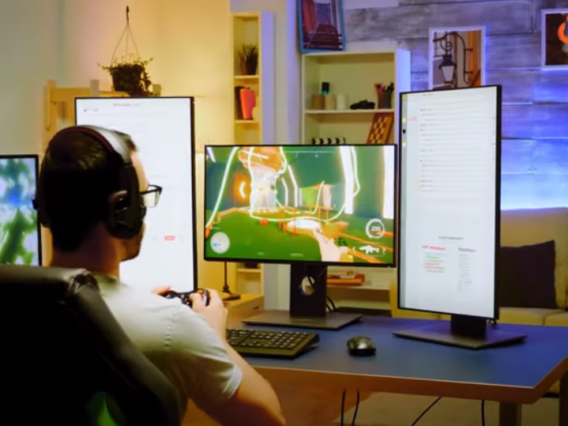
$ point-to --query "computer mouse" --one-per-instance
(185, 296)
(361, 346)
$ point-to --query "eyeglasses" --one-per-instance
(151, 196)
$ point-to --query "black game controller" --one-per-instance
(185, 296)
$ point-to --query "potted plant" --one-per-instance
(130, 76)
(248, 57)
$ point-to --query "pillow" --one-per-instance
(526, 276)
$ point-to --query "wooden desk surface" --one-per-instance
(517, 374)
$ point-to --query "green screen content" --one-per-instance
(286, 204)
(19, 229)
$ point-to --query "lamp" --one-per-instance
(448, 66)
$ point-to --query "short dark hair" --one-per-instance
(76, 179)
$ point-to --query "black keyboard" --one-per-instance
(283, 344)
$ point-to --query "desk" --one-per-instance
(513, 375)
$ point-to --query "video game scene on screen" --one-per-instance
(299, 203)
(19, 242)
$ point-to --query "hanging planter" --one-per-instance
(129, 73)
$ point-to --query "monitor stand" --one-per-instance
(308, 303)
(463, 331)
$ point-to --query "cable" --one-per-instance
(356, 408)
(330, 305)
(330, 300)
(482, 413)
(342, 423)
(342, 407)
(425, 411)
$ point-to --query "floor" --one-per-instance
(308, 406)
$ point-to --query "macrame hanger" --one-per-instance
(128, 37)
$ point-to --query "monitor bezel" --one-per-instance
(36, 158)
(293, 262)
(191, 100)
(497, 245)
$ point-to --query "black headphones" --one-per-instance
(126, 210)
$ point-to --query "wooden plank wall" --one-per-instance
(535, 102)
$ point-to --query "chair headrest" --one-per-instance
(47, 284)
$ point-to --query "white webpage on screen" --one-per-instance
(162, 131)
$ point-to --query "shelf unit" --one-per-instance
(352, 74)
(257, 29)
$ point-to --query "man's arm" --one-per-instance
(254, 404)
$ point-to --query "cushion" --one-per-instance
(560, 319)
(536, 226)
(526, 276)
(527, 316)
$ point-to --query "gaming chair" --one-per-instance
(66, 360)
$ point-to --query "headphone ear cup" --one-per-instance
(40, 216)
(117, 215)
(125, 216)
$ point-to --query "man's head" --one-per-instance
(83, 193)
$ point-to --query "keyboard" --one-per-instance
(274, 344)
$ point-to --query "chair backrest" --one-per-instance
(66, 360)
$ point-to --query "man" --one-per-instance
(78, 180)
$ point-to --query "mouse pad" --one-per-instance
(387, 409)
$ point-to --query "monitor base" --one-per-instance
(442, 333)
(331, 321)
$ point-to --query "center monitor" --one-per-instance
(307, 206)
(450, 213)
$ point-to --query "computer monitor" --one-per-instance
(303, 205)
(163, 130)
(20, 232)
(449, 208)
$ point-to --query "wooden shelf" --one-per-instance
(247, 77)
(354, 75)
(258, 29)
(249, 270)
(345, 111)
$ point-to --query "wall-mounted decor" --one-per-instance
(456, 57)
(554, 39)
(321, 25)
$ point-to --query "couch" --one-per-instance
(521, 228)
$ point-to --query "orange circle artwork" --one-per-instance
(562, 33)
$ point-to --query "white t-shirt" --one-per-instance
(177, 340)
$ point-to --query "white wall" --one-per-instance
(90, 31)
(28, 42)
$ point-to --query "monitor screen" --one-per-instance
(295, 203)
(20, 234)
(449, 200)
(162, 129)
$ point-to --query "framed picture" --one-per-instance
(321, 25)
(554, 39)
(456, 57)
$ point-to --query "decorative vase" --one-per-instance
(249, 67)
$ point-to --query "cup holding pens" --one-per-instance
(384, 100)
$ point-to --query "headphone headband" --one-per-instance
(109, 139)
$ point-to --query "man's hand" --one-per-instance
(215, 313)
(160, 291)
